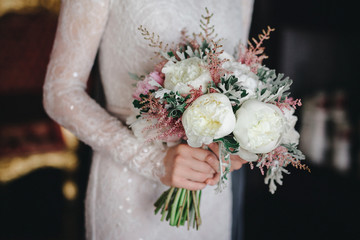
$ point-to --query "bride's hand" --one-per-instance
(236, 163)
(187, 167)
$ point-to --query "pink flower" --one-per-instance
(147, 84)
(157, 76)
(159, 67)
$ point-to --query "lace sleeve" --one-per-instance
(80, 27)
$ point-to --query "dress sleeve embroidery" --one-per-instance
(80, 28)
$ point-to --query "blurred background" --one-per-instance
(44, 168)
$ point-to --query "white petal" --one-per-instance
(246, 155)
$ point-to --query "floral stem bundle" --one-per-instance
(200, 94)
(180, 206)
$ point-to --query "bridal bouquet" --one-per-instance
(200, 94)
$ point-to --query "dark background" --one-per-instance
(315, 43)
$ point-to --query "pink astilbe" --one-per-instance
(293, 103)
(253, 55)
(214, 63)
(213, 90)
(187, 40)
(169, 128)
(288, 103)
(173, 132)
(159, 67)
(281, 157)
(194, 94)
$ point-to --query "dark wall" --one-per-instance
(316, 44)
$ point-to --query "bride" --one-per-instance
(127, 175)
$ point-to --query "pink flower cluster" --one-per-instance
(144, 86)
(288, 103)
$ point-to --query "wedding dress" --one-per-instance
(124, 179)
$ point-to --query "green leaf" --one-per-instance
(236, 107)
(176, 104)
(137, 103)
(134, 76)
(230, 144)
(244, 93)
(170, 54)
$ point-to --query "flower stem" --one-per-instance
(174, 207)
(188, 208)
(197, 215)
(166, 205)
(179, 205)
(169, 197)
(161, 201)
(198, 206)
(181, 208)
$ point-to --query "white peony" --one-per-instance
(290, 134)
(209, 117)
(259, 128)
(247, 79)
(191, 71)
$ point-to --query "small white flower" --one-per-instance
(247, 79)
(259, 128)
(290, 134)
(191, 71)
(209, 117)
(144, 130)
(161, 92)
(142, 127)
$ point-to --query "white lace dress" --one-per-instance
(124, 179)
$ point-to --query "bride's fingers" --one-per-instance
(215, 148)
(190, 185)
(199, 166)
(213, 162)
(202, 154)
(213, 181)
(193, 175)
(206, 156)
